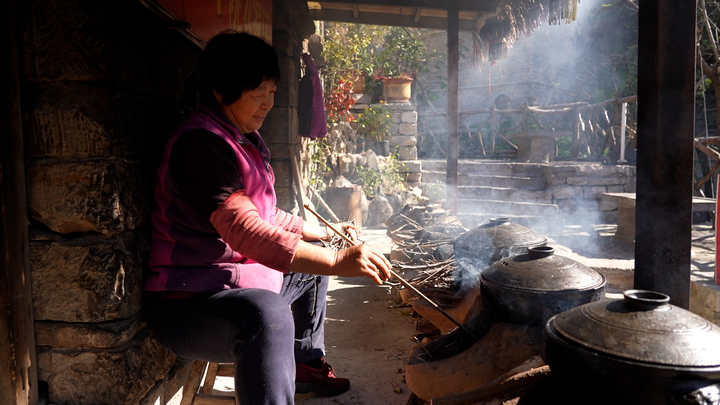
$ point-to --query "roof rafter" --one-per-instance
(484, 6)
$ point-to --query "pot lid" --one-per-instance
(641, 327)
(540, 269)
(500, 233)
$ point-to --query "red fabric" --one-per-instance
(288, 222)
(239, 224)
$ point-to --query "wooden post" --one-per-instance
(666, 111)
(576, 135)
(492, 129)
(453, 114)
(18, 364)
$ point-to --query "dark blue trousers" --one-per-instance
(263, 333)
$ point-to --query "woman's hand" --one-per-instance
(361, 260)
(312, 232)
(350, 230)
(355, 261)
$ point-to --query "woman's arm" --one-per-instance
(241, 227)
(356, 261)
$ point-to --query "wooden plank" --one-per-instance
(202, 399)
(18, 363)
(193, 382)
(384, 18)
(297, 179)
(547, 134)
(464, 5)
(226, 370)
(209, 382)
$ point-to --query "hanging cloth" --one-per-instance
(311, 106)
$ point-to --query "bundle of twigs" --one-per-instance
(337, 242)
(430, 275)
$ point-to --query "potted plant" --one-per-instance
(375, 122)
(348, 54)
(397, 62)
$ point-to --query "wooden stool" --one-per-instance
(194, 394)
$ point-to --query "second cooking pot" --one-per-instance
(637, 350)
(495, 239)
(528, 289)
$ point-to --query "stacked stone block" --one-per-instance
(403, 139)
(577, 189)
(100, 82)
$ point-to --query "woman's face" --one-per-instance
(249, 111)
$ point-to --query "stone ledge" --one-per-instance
(105, 335)
(121, 376)
(91, 279)
(103, 196)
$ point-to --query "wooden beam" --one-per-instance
(666, 111)
(453, 115)
(418, 14)
(400, 20)
(18, 363)
(485, 6)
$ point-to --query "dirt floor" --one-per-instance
(367, 340)
(368, 337)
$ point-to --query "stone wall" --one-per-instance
(577, 189)
(100, 82)
(403, 138)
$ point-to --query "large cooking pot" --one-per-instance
(636, 350)
(495, 239)
(529, 288)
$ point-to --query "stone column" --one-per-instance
(403, 138)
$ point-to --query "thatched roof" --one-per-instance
(524, 16)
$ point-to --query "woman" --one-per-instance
(232, 278)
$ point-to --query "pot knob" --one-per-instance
(644, 300)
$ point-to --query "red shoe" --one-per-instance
(321, 381)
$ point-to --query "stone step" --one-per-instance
(497, 207)
(542, 225)
(523, 183)
(504, 194)
(494, 167)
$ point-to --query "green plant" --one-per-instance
(388, 178)
(433, 191)
(370, 179)
(348, 50)
(401, 54)
(319, 169)
(375, 122)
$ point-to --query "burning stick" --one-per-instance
(394, 274)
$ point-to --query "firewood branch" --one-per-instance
(505, 387)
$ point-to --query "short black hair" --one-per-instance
(234, 62)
